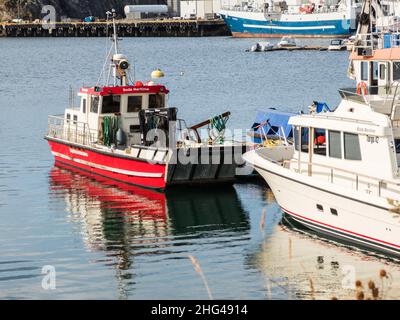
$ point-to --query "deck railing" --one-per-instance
(294, 9)
(357, 181)
(70, 130)
(387, 96)
(377, 40)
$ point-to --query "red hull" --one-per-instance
(122, 169)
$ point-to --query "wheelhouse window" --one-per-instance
(134, 103)
(68, 117)
(111, 104)
(351, 146)
(75, 119)
(320, 141)
(156, 101)
(396, 70)
(83, 105)
(335, 144)
(94, 106)
(364, 70)
(304, 139)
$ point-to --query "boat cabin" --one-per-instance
(121, 105)
(349, 140)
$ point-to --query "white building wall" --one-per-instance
(201, 8)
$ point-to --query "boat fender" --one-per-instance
(121, 137)
(362, 86)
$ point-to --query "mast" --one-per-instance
(118, 67)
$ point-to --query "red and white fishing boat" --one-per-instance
(123, 130)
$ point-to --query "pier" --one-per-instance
(296, 48)
(125, 28)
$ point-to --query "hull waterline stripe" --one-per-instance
(341, 230)
(342, 236)
(288, 28)
(115, 170)
(97, 151)
(73, 167)
(320, 189)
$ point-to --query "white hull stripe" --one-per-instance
(115, 170)
(81, 153)
(287, 28)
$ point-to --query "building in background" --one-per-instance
(134, 12)
(139, 9)
(202, 9)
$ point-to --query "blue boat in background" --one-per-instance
(283, 18)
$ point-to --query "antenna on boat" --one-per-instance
(119, 66)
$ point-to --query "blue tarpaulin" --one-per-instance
(271, 121)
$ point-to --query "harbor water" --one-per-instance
(108, 241)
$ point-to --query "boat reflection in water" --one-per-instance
(297, 264)
(129, 222)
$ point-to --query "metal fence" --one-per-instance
(70, 130)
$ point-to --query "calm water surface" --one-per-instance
(112, 242)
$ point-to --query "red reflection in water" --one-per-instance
(133, 202)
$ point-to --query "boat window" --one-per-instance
(296, 138)
(68, 117)
(111, 104)
(83, 105)
(396, 70)
(320, 142)
(335, 144)
(382, 69)
(75, 119)
(364, 70)
(397, 145)
(374, 70)
(156, 101)
(351, 146)
(134, 103)
(94, 106)
(304, 139)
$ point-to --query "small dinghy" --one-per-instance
(287, 42)
(337, 45)
(261, 47)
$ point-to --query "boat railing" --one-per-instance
(356, 181)
(291, 9)
(384, 95)
(70, 130)
(377, 40)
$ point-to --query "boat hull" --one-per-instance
(328, 210)
(255, 25)
(123, 169)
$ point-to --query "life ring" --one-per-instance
(362, 85)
